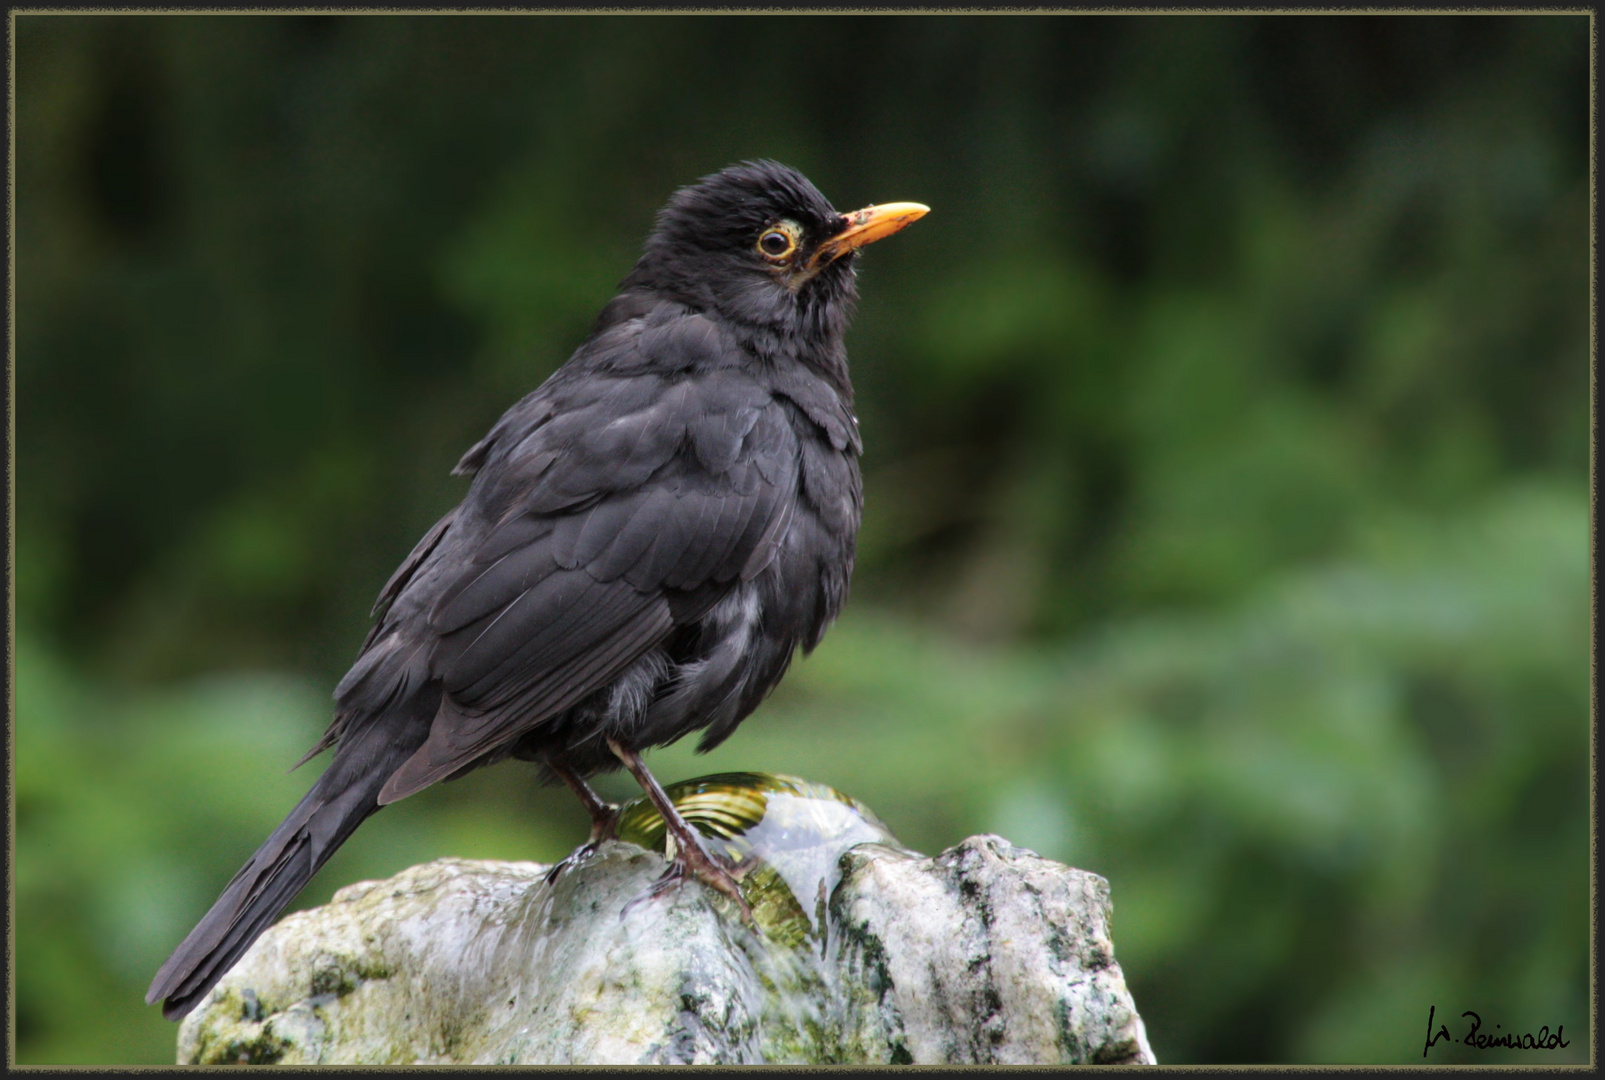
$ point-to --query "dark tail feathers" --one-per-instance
(342, 799)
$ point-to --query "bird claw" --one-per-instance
(569, 861)
(713, 875)
(604, 826)
(577, 856)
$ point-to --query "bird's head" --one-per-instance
(758, 244)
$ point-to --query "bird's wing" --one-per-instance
(641, 496)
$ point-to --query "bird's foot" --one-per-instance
(718, 874)
(707, 868)
(604, 826)
(687, 855)
(569, 861)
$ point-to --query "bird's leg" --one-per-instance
(604, 815)
(690, 856)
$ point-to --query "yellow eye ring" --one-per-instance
(778, 242)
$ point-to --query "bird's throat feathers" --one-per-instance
(773, 326)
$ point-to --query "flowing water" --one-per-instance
(786, 837)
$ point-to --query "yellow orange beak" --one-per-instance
(866, 226)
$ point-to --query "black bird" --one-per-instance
(647, 540)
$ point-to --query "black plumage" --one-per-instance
(647, 540)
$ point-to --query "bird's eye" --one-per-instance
(778, 242)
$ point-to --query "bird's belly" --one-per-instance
(709, 675)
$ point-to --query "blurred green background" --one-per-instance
(1227, 423)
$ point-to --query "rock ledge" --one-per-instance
(985, 954)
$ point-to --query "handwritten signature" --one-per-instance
(1480, 1039)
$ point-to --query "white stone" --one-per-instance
(985, 954)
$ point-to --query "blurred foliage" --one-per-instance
(1227, 424)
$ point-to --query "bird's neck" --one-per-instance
(822, 353)
(809, 334)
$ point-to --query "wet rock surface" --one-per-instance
(986, 953)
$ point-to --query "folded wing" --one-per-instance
(632, 504)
